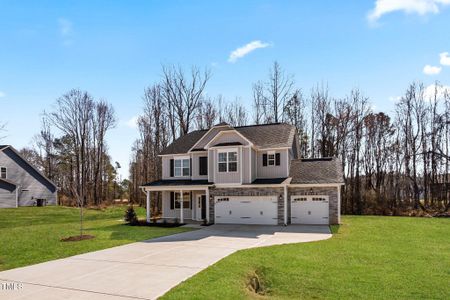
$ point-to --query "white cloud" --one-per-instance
(438, 90)
(420, 7)
(66, 31)
(133, 122)
(246, 49)
(395, 99)
(431, 70)
(2, 94)
(445, 59)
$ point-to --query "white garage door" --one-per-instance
(246, 210)
(309, 209)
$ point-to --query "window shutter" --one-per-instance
(190, 166)
(264, 160)
(171, 168)
(172, 200)
(191, 200)
(203, 165)
(277, 159)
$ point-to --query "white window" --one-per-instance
(227, 161)
(186, 200)
(3, 172)
(271, 159)
(181, 167)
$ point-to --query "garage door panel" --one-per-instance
(310, 209)
(246, 210)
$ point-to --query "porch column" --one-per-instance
(285, 205)
(181, 207)
(148, 207)
(339, 204)
(207, 205)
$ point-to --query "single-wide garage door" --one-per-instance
(309, 209)
(246, 210)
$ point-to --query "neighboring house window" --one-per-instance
(181, 167)
(3, 172)
(227, 161)
(175, 201)
(271, 159)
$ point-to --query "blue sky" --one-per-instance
(114, 49)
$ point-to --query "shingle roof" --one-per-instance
(269, 135)
(3, 146)
(184, 143)
(319, 170)
(269, 180)
(177, 182)
(262, 136)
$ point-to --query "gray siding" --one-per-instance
(166, 167)
(196, 166)
(209, 136)
(229, 137)
(7, 198)
(229, 177)
(30, 183)
(273, 171)
(173, 213)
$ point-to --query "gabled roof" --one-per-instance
(266, 136)
(184, 143)
(33, 168)
(316, 170)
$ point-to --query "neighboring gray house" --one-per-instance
(246, 175)
(21, 184)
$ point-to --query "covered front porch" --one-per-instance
(182, 200)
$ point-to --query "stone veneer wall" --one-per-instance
(262, 191)
(332, 192)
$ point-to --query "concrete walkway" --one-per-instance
(145, 270)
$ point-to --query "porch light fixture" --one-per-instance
(281, 197)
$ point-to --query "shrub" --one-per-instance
(130, 216)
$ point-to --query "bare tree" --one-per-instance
(183, 93)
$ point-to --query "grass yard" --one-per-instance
(367, 258)
(30, 235)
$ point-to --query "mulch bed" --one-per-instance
(77, 238)
(152, 224)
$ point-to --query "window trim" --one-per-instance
(273, 159)
(182, 167)
(227, 160)
(6, 172)
(175, 201)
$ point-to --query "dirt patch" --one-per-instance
(256, 283)
(77, 238)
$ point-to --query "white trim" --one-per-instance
(285, 205)
(147, 207)
(270, 149)
(240, 163)
(174, 188)
(250, 164)
(339, 205)
(288, 167)
(207, 205)
(315, 184)
(207, 146)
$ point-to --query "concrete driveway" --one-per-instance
(145, 270)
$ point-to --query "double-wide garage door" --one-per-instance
(246, 210)
(309, 209)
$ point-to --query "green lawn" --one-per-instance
(30, 235)
(367, 258)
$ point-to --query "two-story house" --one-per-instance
(21, 184)
(246, 175)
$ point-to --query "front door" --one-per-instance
(203, 204)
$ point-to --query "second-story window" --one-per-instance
(181, 167)
(227, 161)
(3, 172)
